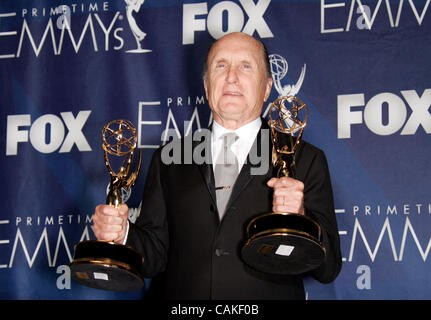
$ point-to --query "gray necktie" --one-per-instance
(225, 172)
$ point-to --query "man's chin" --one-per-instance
(232, 109)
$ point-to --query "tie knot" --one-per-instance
(229, 139)
(227, 156)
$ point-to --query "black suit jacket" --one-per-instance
(191, 254)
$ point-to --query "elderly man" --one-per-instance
(191, 241)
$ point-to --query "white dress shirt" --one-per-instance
(241, 147)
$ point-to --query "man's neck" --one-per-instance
(233, 124)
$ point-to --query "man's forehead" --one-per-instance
(236, 47)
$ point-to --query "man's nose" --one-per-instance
(232, 75)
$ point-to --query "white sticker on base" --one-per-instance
(100, 276)
(284, 250)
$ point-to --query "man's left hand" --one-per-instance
(288, 195)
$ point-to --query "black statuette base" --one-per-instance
(283, 244)
(107, 266)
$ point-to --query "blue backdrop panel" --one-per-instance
(67, 68)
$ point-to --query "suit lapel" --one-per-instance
(206, 168)
(262, 148)
(208, 176)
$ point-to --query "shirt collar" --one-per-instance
(246, 132)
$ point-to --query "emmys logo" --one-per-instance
(135, 6)
(64, 24)
(279, 68)
(366, 16)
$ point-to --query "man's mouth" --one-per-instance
(232, 93)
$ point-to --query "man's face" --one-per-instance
(236, 84)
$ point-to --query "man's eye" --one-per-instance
(220, 65)
(246, 66)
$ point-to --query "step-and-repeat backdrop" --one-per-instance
(69, 67)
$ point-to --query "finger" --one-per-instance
(281, 208)
(107, 236)
(299, 185)
(104, 236)
(290, 207)
(105, 209)
(108, 232)
(277, 183)
(287, 182)
(287, 209)
(113, 228)
(294, 187)
(105, 223)
(108, 220)
(282, 192)
(279, 200)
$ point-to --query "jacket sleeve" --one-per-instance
(149, 234)
(319, 205)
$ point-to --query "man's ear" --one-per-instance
(206, 87)
(268, 89)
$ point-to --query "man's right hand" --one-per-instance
(110, 223)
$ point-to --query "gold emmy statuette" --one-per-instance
(281, 242)
(104, 264)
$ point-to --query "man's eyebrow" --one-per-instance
(219, 60)
(246, 61)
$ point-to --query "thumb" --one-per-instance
(271, 182)
(123, 209)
